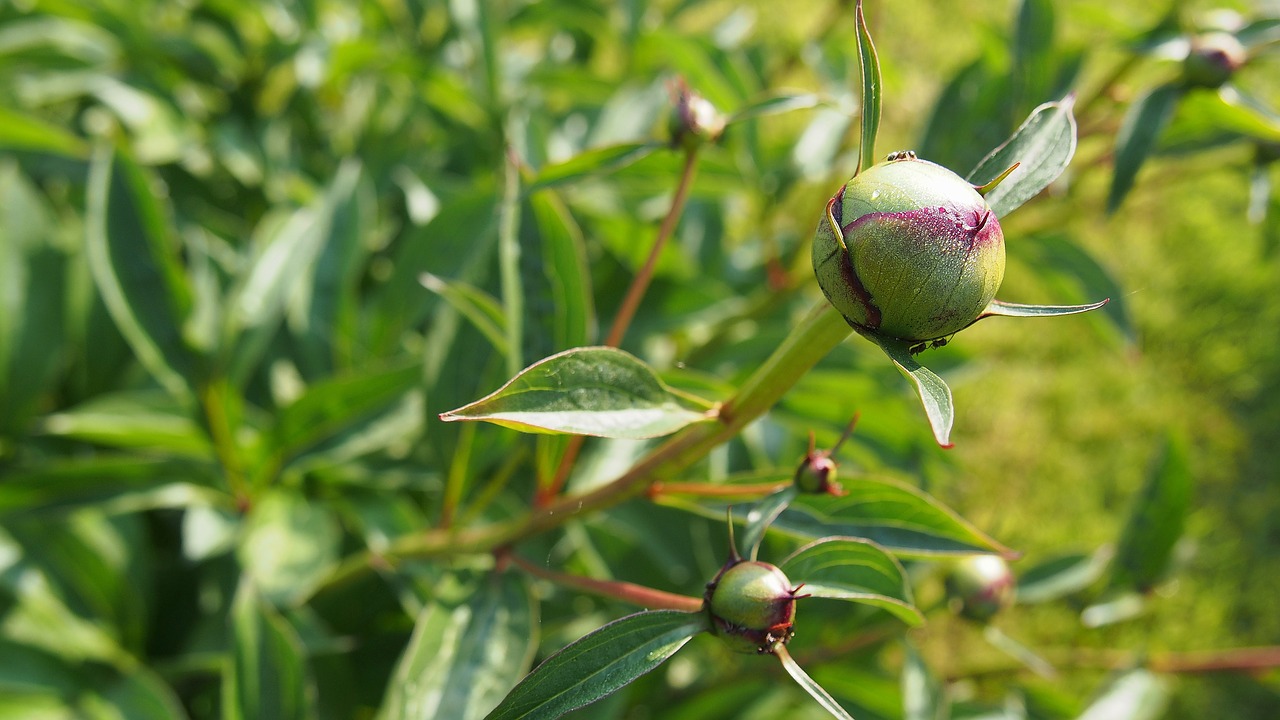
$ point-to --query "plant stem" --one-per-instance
(638, 595)
(213, 400)
(509, 265)
(817, 334)
(702, 489)
(627, 311)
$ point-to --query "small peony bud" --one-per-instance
(981, 586)
(694, 120)
(752, 606)
(909, 250)
(1213, 58)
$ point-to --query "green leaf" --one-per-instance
(1155, 523)
(1060, 576)
(1042, 147)
(1142, 126)
(855, 570)
(289, 545)
(599, 664)
(776, 104)
(134, 261)
(146, 420)
(923, 697)
(268, 677)
(597, 391)
(1070, 271)
(898, 517)
(871, 85)
(1205, 119)
(597, 161)
(761, 516)
(327, 408)
(57, 487)
(998, 308)
(462, 660)
(933, 392)
(1135, 695)
(809, 685)
(22, 133)
(566, 272)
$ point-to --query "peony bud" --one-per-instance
(1213, 59)
(981, 586)
(909, 250)
(694, 120)
(752, 606)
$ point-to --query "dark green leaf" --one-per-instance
(761, 516)
(462, 660)
(1060, 576)
(1072, 272)
(268, 677)
(134, 261)
(598, 161)
(599, 664)
(1142, 126)
(1042, 147)
(855, 570)
(871, 86)
(933, 392)
(586, 391)
(1155, 523)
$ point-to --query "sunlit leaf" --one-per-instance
(935, 396)
(598, 161)
(288, 546)
(1156, 520)
(809, 685)
(462, 660)
(855, 570)
(999, 308)
(1061, 576)
(1042, 147)
(267, 677)
(586, 391)
(479, 307)
(1135, 695)
(599, 664)
(871, 86)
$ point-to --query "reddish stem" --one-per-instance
(640, 595)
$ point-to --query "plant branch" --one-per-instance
(639, 595)
(721, 490)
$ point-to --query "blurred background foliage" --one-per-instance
(221, 363)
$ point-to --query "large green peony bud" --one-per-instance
(752, 606)
(909, 250)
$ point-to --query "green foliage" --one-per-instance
(254, 255)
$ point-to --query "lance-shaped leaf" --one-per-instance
(599, 664)
(598, 391)
(761, 516)
(1041, 147)
(1137, 695)
(462, 660)
(871, 85)
(1142, 126)
(934, 394)
(597, 161)
(1004, 309)
(776, 105)
(1155, 524)
(855, 570)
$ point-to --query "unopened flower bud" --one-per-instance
(908, 249)
(752, 606)
(694, 120)
(981, 586)
(1213, 58)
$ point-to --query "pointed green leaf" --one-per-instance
(1018, 651)
(598, 161)
(1004, 309)
(1155, 524)
(871, 85)
(809, 685)
(477, 306)
(1135, 695)
(775, 105)
(1042, 147)
(1142, 126)
(761, 516)
(898, 517)
(856, 570)
(598, 391)
(462, 660)
(1070, 271)
(1061, 576)
(923, 697)
(599, 664)
(934, 394)
(565, 272)
(134, 261)
(22, 133)
(268, 676)
(148, 420)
